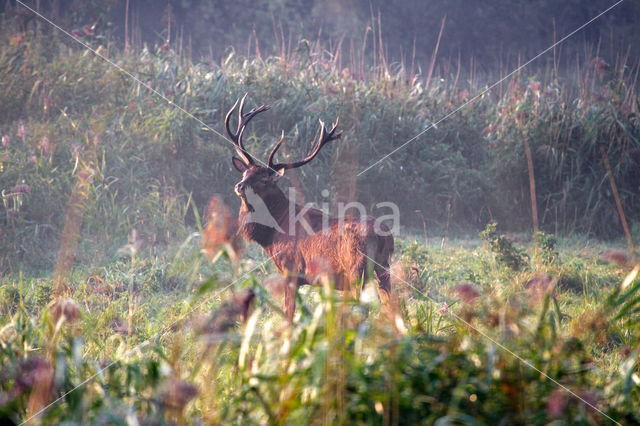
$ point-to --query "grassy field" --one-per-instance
(114, 309)
(480, 340)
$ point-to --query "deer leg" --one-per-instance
(290, 291)
(390, 305)
(384, 282)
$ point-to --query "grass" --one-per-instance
(179, 350)
(104, 189)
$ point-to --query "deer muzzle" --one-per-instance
(239, 188)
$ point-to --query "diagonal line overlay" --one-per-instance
(434, 124)
(479, 95)
(143, 344)
(498, 344)
(128, 74)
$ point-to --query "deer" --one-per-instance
(350, 247)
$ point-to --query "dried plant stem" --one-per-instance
(532, 187)
(72, 223)
(432, 64)
(616, 196)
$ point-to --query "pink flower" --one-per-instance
(22, 131)
(6, 140)
(45, 146)
(535, 87)
(557, 403)
(467, 292)
(444, 309)
(21, 188)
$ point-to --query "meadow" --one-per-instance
(124, 301)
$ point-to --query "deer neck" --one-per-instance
(263, 228)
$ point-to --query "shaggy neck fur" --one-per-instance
(278, 205)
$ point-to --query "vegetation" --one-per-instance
(123, 300)
(161, 347)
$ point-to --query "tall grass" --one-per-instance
(212, 358)
(154, 164)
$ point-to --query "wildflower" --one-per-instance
(489, 129)
(31, 371)
(444, 309)
(35, 375)
(463, 95)
(557, 403)
(467, 292)
(6, 140)
(220, 230)
(17, 39)
(22, 131)
(21, 188)
(625, 351)
(45, 146)
(227, 315)
(535, 86)
(65, 310)
(521, 117)
(177, 393)
(87, 30)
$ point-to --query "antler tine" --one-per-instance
(243, 120)
(227, 120)
(274, 150)
(323, 139)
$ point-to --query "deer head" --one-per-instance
(262, 178)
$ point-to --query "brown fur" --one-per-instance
(342, 245)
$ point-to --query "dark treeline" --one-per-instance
(484, 34)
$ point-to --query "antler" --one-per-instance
(324, 138)
(243, 120)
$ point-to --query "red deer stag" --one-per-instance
(297, 237)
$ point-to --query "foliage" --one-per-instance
(547, 245)
(152, 167)
(150, 331)
(503, 249)
(150, 356)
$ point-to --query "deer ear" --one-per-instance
(280, 171)
(239, 164)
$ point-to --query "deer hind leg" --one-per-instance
(290, 293)
(389, 300)
(384, 281)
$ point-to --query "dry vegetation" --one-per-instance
(168, 320)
